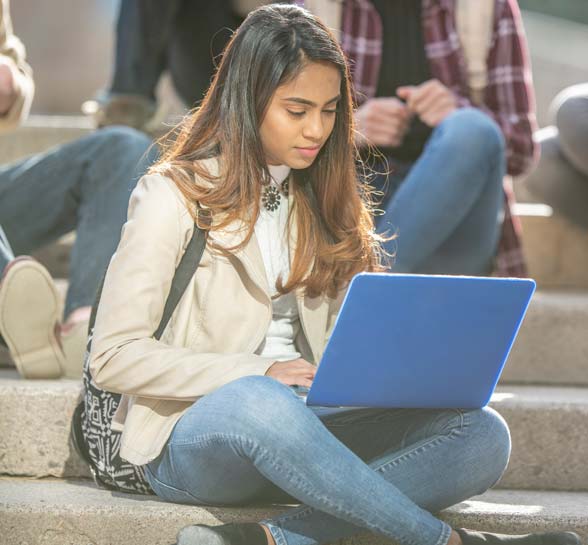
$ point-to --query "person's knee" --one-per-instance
(493, 444)
(471, 133)
(572, 124)
(125, 138)
(259, 399)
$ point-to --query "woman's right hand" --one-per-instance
(292, 372)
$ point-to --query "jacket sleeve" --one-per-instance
(125, 357)
(12, 48)
(509, 97)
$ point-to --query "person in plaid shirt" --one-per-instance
(447, 155)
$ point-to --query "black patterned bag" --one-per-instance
(91, 434)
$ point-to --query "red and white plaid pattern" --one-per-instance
(508, 98)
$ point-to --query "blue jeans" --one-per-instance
(255, 440)
(84, 186)
(447, 207)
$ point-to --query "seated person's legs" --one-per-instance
(561, 177)
(571, 119)
(84, 185)
(447, 210)
(200, 33)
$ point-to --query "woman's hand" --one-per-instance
(292, 372)
(431, 101)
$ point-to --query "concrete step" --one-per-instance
(41, 132)
(77, 513)
(549, 428)
(35, 419)
(556, 250)
(552, 344)
(549, 431)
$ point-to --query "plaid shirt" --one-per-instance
(508, 97)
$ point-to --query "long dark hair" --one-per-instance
(336, 236)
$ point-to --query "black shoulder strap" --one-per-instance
(186, 269)
(184, 273)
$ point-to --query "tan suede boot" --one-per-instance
(30, 310)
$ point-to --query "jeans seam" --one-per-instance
(446, 529)
(263, 453)
(422, 447)
(445, 534)
(275, 531)
(159, 482)
(305, 511)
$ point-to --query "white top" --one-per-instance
(271, 233)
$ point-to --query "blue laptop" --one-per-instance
(420, 341)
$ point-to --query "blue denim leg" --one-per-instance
(255, 434)
(436, 458)
(447, 210)
(6, 254)
(84, 185)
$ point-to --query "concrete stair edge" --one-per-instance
(551, 346)
(76, 512)
(546, 424)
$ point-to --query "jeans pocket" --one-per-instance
(168, 492)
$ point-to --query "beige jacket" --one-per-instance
(11, 47)
(211, 338)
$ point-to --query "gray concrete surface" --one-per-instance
(549, 428)
(556, 252)
(552, 344)
(76, 513)
(40, 133)
(35, 420)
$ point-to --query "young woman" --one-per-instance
(210, 410)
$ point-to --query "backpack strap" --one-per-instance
(474, 21)
(184, 273)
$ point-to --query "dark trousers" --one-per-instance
(182, 36)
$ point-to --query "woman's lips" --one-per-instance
(309, 152)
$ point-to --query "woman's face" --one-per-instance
(301, 116)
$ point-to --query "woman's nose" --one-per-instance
(314, 128)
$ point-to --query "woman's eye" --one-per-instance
(296, 114)
(330, 111)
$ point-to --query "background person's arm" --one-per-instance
(16, 80)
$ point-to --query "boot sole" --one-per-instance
(30, 309)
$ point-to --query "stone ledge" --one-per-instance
(76, 512)
(40, 133)
(552, 344)
(549, 428)
(556, 251)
